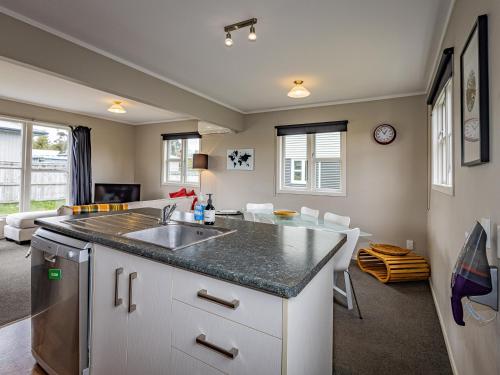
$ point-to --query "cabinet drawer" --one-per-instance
(183, 364)
(254, 309)
(254, 352)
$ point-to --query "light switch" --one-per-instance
(486, 223)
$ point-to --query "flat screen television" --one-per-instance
(117, 193)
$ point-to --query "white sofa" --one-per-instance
(21, 226)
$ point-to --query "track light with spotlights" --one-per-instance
(252, 36)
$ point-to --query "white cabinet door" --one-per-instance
(149, 324)
(254, 309)
(253, 352)
(109, 322)
(183, 364)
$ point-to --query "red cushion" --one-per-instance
(177, 194)
(195, 199)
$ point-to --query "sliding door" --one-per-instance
(49, 179)
(34, 166)
(11, 166)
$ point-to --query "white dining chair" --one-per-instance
(341, 262)
(260, 207)
(248, 216)
(306, 211)
(332, 218)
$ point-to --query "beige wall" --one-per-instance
(386, 185)
(148, 151)
(113, 146)
(475, 349)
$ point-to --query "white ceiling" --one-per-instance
(342, 49)
(34, 87)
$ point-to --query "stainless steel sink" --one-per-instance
(177, 235)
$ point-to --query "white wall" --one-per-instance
(474, 349)
(386, 185)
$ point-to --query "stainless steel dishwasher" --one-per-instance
(59, 303)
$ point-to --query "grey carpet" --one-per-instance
(399, 333)
(15, 282)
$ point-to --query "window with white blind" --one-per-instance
(178, 162)
(312, 163)
(442, 141)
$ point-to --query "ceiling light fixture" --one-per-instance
(117, 107)
(298, 91)
(239, 25)
(228, 41)
(252, 36)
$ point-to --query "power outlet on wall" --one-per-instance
(409, 244)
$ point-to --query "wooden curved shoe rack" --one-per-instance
(390, 268)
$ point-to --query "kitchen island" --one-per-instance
(257, 300)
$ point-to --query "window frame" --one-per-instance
(302, 170)
(26, 160)
(183, 162)
(442, 147)
(309, 189)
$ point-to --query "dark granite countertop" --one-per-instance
(275, 259)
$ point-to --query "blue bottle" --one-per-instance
(199, 210)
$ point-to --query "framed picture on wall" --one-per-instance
(240, 159)
(474, 93)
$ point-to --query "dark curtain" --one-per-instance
(81, 168)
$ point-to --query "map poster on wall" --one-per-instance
(240, 159)
(475, 96)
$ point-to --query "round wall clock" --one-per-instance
(384, 134)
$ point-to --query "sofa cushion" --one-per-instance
(183, 204)
(88, 208)
(27, 219)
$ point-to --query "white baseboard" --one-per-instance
(445, 335)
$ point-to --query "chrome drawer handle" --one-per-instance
(131, 306)
(231, 353)
(229, 304)
(118, 272)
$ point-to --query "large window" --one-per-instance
(442, 141)
(34, 166)
(312, 163)
(178, 161)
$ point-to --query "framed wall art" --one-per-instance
(240, 159)
(474, 93)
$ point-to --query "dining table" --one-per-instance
(298, 220)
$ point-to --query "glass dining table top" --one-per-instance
(299, 220)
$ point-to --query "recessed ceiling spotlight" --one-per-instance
(298, 91)
(117, 107)
(236, 26)
(228, 41)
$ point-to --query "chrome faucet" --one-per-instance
(166, 213)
